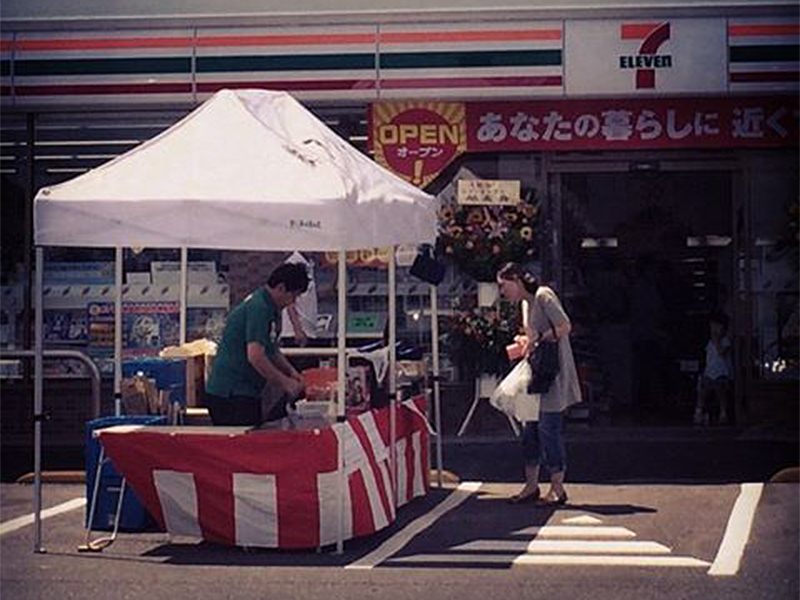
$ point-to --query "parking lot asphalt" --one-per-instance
(672, 492)
(633, 541)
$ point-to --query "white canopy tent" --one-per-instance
(247, 170)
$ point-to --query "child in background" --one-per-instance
(716, 383)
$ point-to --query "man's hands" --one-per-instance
(277, 371)
(295, 387)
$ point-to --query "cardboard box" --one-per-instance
(195, 379)
(197, 354)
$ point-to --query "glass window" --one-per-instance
(774, 217)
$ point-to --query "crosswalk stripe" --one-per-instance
(609, 560)
(506, 559)
(576, 531)
(553, 559)
(582, 520)
(565, 546)
(583, 542)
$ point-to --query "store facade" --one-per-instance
(659, 148)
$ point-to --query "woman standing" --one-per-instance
(543, 441)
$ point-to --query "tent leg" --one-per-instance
(341, 390)
(37, 402)
(118, 331)
(437, 398)
(184, 301)
(393, 396)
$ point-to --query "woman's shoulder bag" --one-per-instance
(544, 365)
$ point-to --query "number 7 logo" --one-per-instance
(653, 36)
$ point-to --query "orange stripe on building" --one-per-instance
(287, 40)
(758, 30)
(638, 31)
(98, 44)
(523, 35)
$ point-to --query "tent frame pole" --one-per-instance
(38, 416)
(184, 301)
(341, 370)
(392, 306)
(437, 400)
(118, 268)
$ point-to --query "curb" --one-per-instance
(55, 477)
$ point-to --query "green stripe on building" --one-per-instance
(765, 53)
(103, 66)
(305, 62)
(439, 60)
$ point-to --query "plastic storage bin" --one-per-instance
(169, 374)
(134, 517)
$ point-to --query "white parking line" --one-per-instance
(729, 555)
(402, 537)
(609, 560)
(579, 531)
(564, 546)
(26, 520)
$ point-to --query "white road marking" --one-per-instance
(565, 546)
(582, 520)
(402, 537)
(554, 559)
(26, 520)
(576, 532)
(729, 554)
(609, 560)
(477, 559)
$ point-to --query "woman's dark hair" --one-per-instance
(719, 317)
(294, 277)
(516, 272)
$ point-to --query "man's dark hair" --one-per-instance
(294, 277)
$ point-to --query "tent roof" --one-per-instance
(248, 169)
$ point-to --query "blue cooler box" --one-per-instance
(134, 516)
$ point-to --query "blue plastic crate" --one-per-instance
(134, 516)
(168, 373)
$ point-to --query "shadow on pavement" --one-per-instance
(207, 553)
(610, 509)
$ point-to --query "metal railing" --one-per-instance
(94, 372)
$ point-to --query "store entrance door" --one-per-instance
(646, 257)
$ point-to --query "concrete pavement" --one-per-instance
(610, 541)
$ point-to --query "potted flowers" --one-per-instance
(480, 239)
(476, 339)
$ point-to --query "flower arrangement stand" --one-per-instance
(484, 386)
(488, 293)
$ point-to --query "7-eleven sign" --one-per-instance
(648, 58)
(645, 56)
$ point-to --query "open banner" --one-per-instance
(418, 140)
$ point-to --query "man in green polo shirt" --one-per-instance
(248, 357)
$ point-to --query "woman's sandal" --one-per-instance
(527, 498)
(553, 500)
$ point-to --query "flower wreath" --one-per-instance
(480, 239)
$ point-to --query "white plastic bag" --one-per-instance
(511, 395)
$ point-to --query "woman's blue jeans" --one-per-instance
(543, 442)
